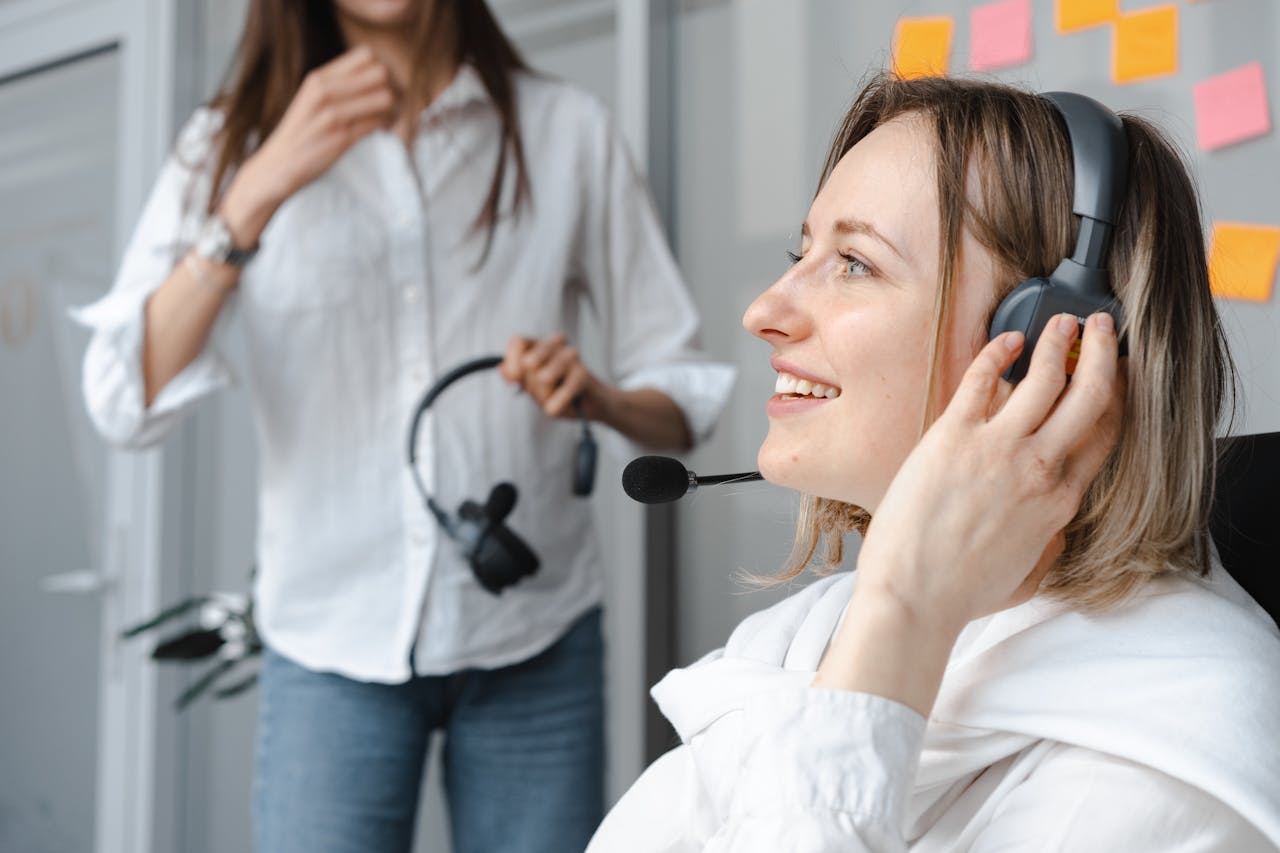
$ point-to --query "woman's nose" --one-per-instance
(774, 316)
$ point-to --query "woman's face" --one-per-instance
(853, 319)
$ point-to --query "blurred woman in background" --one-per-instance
(385, 190)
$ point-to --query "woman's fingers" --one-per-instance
(1035, 396)
(572, 385)
(512, 366)
(378, 105)
(973, 400)
(1091, 394)
(549, 369)
(536, 357)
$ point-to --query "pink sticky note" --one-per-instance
(999, 35)
(1232, 107)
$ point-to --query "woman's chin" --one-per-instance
(783, 468)
(788, 469)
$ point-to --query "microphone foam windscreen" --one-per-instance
(655, 479)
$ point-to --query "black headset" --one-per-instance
(1080, 285)
(496, 553)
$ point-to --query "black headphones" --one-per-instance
(1080, 285)
(496, 553)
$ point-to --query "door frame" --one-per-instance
(34, 35)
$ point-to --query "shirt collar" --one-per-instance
(465, 89)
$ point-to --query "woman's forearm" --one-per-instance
(180, 314)
(886, 649)
(646, 416)
(178, 318)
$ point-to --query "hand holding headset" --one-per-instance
(497, 555)
(1080, 285)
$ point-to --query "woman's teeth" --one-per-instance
(797, 387)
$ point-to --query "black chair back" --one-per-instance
(1245, 521)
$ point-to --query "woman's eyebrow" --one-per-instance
(856, 226)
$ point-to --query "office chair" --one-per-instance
(1245, 521)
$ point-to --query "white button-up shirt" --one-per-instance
(368, 286)
(1148, 729)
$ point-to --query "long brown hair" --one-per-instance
(1147, 512)
(284, 40)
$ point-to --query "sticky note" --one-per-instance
(922, 46)
(1076, 15)
(1145, 44)
(1242, 260)
(1232, 107)
(999, 35)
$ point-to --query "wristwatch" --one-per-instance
(214, 243)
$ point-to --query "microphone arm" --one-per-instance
(721, 479)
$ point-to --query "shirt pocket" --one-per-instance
(319, 252)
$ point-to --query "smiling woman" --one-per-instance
(1038, 649)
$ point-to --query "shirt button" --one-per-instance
(418, 375)
(410, 295)
(417, 539)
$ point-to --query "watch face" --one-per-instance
(214, 241)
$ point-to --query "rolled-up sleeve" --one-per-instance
(112, 381)
(650, 322)
(825, 770)
(821, 771)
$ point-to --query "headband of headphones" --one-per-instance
(1080, 284)
(1100, 158)
(464, 369)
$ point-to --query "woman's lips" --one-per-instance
(780, 366)
(786, 404)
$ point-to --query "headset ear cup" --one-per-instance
(584, 465)
(1018, 312)
(501, 558)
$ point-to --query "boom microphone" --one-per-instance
(661, 479)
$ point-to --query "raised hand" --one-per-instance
(337, 105)
(972, 521)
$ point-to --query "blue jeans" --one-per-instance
(340, 761)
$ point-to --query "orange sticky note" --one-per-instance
(1242, 260)
(1076, 15)
(1145, 44)
(922, 46)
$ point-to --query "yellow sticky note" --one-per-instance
(1242, 260)
(922, 46)
(1145, 44)
(1081, 14)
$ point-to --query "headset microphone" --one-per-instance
(661, 479)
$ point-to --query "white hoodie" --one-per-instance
(1153, 727)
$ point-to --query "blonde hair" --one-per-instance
(1147, 512)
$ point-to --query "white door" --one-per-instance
(57, 186)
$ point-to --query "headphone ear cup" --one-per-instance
(584, 465)
(501, 558)
(1021, 311)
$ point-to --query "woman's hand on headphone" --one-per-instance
(337, 104)
(972, 521)
(552, 373)
(980, 500)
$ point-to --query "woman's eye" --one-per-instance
(853, 266)
(794, 258)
